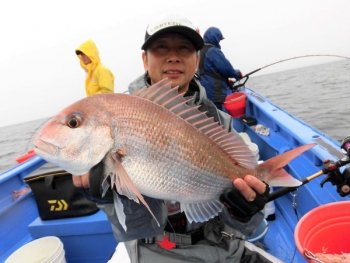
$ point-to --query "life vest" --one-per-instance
(202, 71)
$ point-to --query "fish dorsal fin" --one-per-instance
(162, 94)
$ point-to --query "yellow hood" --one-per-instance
(89, 48)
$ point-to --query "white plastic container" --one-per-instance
(270, 209)
(255, 149)
(260, 232)
(43, 250)
(245, 136)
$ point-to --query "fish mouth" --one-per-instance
(45, 147)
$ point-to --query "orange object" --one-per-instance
(25, 156)
(325, 229)
(235, 104)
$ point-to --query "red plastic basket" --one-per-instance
(235, 104)
(324, 229)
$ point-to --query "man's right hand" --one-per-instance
(245, 198)
(239, 75)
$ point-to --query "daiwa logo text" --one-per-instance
(58, 205)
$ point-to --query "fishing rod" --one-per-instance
(340, 179)
(334, 176)
(235, 85)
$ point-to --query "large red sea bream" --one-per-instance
(154, 144)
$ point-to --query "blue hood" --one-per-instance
(213, 36)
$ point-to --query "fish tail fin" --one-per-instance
(277, 176)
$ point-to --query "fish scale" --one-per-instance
(176, 166)
(152, 143)
(162, 144)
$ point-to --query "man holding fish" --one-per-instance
(171, 51)
(167, 146)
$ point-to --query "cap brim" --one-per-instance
(192, 35)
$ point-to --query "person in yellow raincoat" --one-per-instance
(99, 78)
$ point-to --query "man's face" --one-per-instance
(86, 60)
(171, 56)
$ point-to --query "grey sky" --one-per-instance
(40, 73)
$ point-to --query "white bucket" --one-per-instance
(260, 232)
(245, 136)
(43, 250)
(255, 149)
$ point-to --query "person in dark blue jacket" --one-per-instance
(214, 69)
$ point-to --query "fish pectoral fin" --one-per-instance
(125, 186)
(122, 182)
(201, 212)
(119, 210)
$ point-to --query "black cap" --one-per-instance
(173, 24)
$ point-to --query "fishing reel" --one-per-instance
(340, 179)
(238, 84)
(331, 168)
(333, 174)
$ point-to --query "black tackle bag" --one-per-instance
(56, 196)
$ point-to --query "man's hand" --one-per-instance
(239, 75)
(250, 186)
(245, 198)
(82, 181)
(89, 185)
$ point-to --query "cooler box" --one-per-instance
(86, 239)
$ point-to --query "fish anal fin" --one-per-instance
(201, 212)
(125, 186)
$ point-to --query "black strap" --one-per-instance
(202, 71)
(48, 181)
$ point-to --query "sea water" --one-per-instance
(319, 95)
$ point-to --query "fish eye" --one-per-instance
(74, 121)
